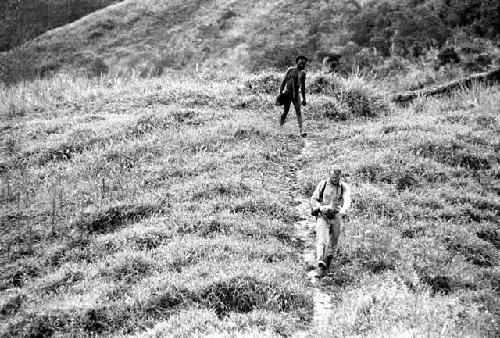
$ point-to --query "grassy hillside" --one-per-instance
(21, 21)
(159, 207)
(149, 35)
(137, 203)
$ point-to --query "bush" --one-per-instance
(350, 98)
(326, 107)
(362, 104)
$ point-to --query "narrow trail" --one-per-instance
(305, 232)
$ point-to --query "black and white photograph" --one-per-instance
(231, 168)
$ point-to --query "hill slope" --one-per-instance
(21, 21)
(180, 33)
(149, 35)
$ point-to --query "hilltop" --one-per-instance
(177, 34)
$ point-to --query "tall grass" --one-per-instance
(115, 216)
(158, 207)
(424, 181)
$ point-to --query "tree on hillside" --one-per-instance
(418, 29)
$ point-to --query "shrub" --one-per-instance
(350, 98)
(330, 108)
(361, 103)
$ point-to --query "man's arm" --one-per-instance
(346, 196)
(282, 86)
(315, 199)
(303, 86)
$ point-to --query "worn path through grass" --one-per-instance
(305, 232)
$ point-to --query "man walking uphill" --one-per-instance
(294, 80)
(329, 202)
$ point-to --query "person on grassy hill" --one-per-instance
(329, 203)
(293, 82)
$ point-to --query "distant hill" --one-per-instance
(149, 35)
(178, 33)
(23, 20)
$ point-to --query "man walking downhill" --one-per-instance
(295, 79)
(329, 202)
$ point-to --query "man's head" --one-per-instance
(335, 173)
(301, 61)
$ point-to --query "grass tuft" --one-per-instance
(162, 303)
(39, 325)
(474, 251)
(413, 232)
(12, 305)
(117, 216)
(129, 269)
(244, 294)
(264, 83)
(205, 227)
(63, 280)
(490, 235)
(438, 284)
(18, 275)
(452, 153)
